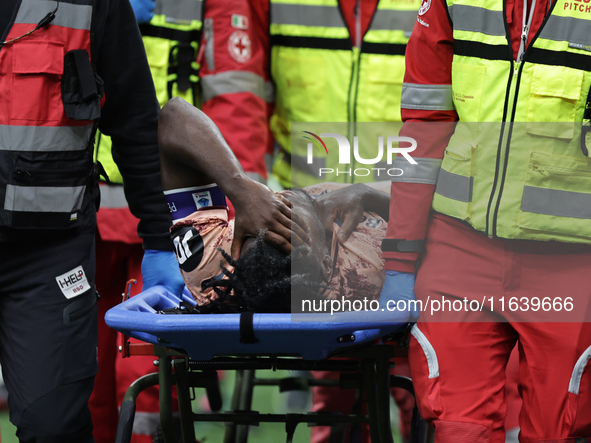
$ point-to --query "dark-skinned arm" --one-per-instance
(193, 152)
(348, 205)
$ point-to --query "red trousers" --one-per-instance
(331, 399)
(118, 262)
(458, 359)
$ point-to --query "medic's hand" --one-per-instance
(161, 268)
(397, 292)
(345, 204)
(258, 208)
(143, 9)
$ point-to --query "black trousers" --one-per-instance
(49, 335)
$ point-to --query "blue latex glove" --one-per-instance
(161, 268)
(399, 286)
(143, 9)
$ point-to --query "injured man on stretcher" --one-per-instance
(321, 242)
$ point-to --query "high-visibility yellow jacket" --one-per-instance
(514, 167)
(321, 75)
(171, 41)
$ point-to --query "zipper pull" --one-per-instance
(522, 44)
(22, 172)
(524, 34)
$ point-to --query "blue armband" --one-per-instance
(184, 201)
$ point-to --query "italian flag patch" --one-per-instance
(239, 21)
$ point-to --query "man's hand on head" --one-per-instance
(258, 208)
(346, 204)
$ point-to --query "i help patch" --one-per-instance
(73, 283)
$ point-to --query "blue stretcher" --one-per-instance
(198, 345)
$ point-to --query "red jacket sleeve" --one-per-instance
(428, 63)
(234, 80)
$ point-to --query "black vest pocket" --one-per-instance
(48, 191)
(82, 89)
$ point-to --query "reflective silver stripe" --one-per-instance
(428, 349)
(269, 92)
(389, 20)
(575, 379)
(427, 97)
(306, 15)
(209, 44)
(112, 197)
(425, 171)
(231, 82)
(512, 435)
(454, 186)
(43, 199)
(179, 11)
(68, 15)
(555, 202)
(44, 138)
(475, 19)
(567, 29)
(269, 159)
(146, 423)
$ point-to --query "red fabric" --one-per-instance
(21, 93)
(472, 349)
(411, 202)
(461, 432)
(117, 225)
(116, 263)
(515, 19)
(241, 117)
(512, 392)
(366, 10)
(325, 400)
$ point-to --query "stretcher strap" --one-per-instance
(247, 328)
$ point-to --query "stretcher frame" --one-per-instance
(363, 366)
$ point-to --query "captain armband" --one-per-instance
(184, 201)
(401, 245)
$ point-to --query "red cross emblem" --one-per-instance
(239, 46)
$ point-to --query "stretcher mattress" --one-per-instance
(204, 336)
